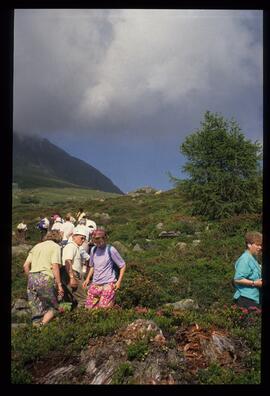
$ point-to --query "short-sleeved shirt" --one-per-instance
(247, 267)
(43, 255)
(72, 252)
(103, 265)
(67, 228)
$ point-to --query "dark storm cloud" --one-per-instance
(143, 71)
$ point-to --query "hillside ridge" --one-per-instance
(39, 163)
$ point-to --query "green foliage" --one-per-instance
(122, 374)
(202, 272)
(223, 166)
(29, 200)
(138, 350)
(240, 224)
(215, 374)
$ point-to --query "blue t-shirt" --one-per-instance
(247, 267)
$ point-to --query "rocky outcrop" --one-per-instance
(20, 249)
(108, 359)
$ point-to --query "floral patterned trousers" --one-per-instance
(100, 296)
(41, 294)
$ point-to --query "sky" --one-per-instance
(121, 89)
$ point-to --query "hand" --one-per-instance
(60, 291)
(73, 282)
(258, 283)
(117, 285)
(85, 283)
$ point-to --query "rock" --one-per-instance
(158, 192)
(159, 226)
(142, 190)
(169, 234)
(21, 249)
(20, 310)
(58, 375)
(105, 218)
(196, 242)
(18, 325)
(185, 304)
(119, 246)
(149, 244)
(20, 304)
(137, 248)
(181, 246)
(138, 330)
(174, 280)
(219, 346)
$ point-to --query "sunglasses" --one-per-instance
(82, 238)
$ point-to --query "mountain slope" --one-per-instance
(39, 163)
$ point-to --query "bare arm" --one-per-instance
(248, 282)
(89, 275)
(56, 273)
(27, 267)
(121, 274)
(73, 281)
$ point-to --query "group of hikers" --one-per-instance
(61, 265)
(74, 263)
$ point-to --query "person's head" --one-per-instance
(54, 236)
(99, 237)
(68, 216)
(58, 219)
(253, 240)
(79, 235)
(82, 221)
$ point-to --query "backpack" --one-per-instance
(41, 225)
(116, 269)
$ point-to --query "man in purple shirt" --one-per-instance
(103, 258)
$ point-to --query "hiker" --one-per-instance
(80, 214)
(67, 229)
(21, 231)
(42, 269)
(43, 226)
(72, 268)
(103, 259)
(248, 275)
(91, 225)
(82, 223)
(58, 225)
(71, 218)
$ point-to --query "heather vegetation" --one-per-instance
(195, 264)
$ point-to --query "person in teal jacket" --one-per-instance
(248, 274)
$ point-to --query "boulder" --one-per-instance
(20, 249)
(169, 234)
(159, 226)
(120, 247)
(137, 248)
(181, 246)
(196, 242)
(158, 192)
(185, 304)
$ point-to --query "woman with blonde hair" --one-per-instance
(44, 283)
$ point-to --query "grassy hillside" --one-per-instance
(164, 271)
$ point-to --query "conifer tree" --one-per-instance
(225, 175)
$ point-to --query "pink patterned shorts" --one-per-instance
(100, 296)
